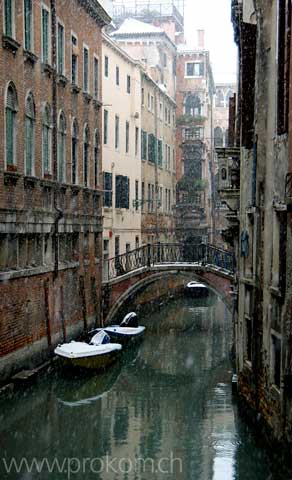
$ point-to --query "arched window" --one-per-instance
(219, 98)
(61, 147)
(229, 94)
(96, 158)
(74, 151)
(29, 134)
(223, 173)
(46, 140)
(218, 137)
(86, 146)
(10, 125)
(193, 106)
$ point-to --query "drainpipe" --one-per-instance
(59, 213)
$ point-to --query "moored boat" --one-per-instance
(128, 330)
(196, 289)
(97, 354)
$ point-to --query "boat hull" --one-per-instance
(122, 338)
(99, 362)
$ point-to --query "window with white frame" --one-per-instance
(46, 139)
(96, 158)
(127, 136)
(11, 109)
(29, 134)
(194, 69)
(117, 132)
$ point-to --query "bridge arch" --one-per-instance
(118, 292)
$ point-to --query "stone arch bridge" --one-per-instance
(132, 272)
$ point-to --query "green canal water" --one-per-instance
(165, 411)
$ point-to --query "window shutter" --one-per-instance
(45, 25)
(9, 137)
(27, 21)
(8, 18)
(60, 48)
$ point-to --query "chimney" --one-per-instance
(201, 39)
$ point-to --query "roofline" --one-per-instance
(115, 46)
(144, 35)
(96, 11)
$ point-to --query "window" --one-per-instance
(218, 137)
(105, 127)
(152, 103)
(128, 84)
(74, 151)
(193, 106)
(136, 141)
(168, 116)
(127, 136)
(284, 34)
(61, 147)
(276, 359)
(45, 35)
(194, 69)
(96, 158)
(161, 111)
(85, 69)
(61, 52)
(151, 148)
(74, 60)
(160, 160)
(108, 189)
(149, 197)
(122, 191)
(137, 242)
(149, 102)
(168, 158)
(136, 194)
(46, 139)
(164, 60)
(28, 32)
(143, 97)
(219, 98)
(9, 18)
(117, 132)
(143, 195)
(95, 77)
(143, 145)
(29, 134)
(117, 76)
(10, 125)
(86, 149)
(106, 66)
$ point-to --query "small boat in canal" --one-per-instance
(97, 354)
(196, 289)
(127, 331)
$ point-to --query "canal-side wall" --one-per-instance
(38, 312)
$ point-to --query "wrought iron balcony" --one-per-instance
(229, 175)
(288, 189)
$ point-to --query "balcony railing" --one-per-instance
(288, 188)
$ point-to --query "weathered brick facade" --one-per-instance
(50, 231)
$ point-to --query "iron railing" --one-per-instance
(167, 253)
(288, 188)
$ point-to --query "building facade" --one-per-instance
(194, 136)
(50, 175)
(121, 150)
(255, 182)
(157, 53)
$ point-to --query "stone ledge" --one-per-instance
(30, 272)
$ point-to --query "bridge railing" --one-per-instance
(167, 253)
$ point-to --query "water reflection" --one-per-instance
(170, 399)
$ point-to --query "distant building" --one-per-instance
(157, 54)
(194, 135)
(50, 175)
(121, 146)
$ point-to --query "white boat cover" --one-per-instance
(126, 331)
(82, 349)
(194, 284)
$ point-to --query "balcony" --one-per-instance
(288, 191)
(229, 176)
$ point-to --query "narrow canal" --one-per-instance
(164, 412)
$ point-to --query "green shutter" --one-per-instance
(9, 136)
(45, 149)
(61, 157)
(60, 49)
(28, 23)
(45, 35)
(29, 146)
(160, 153)
(8, 18)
